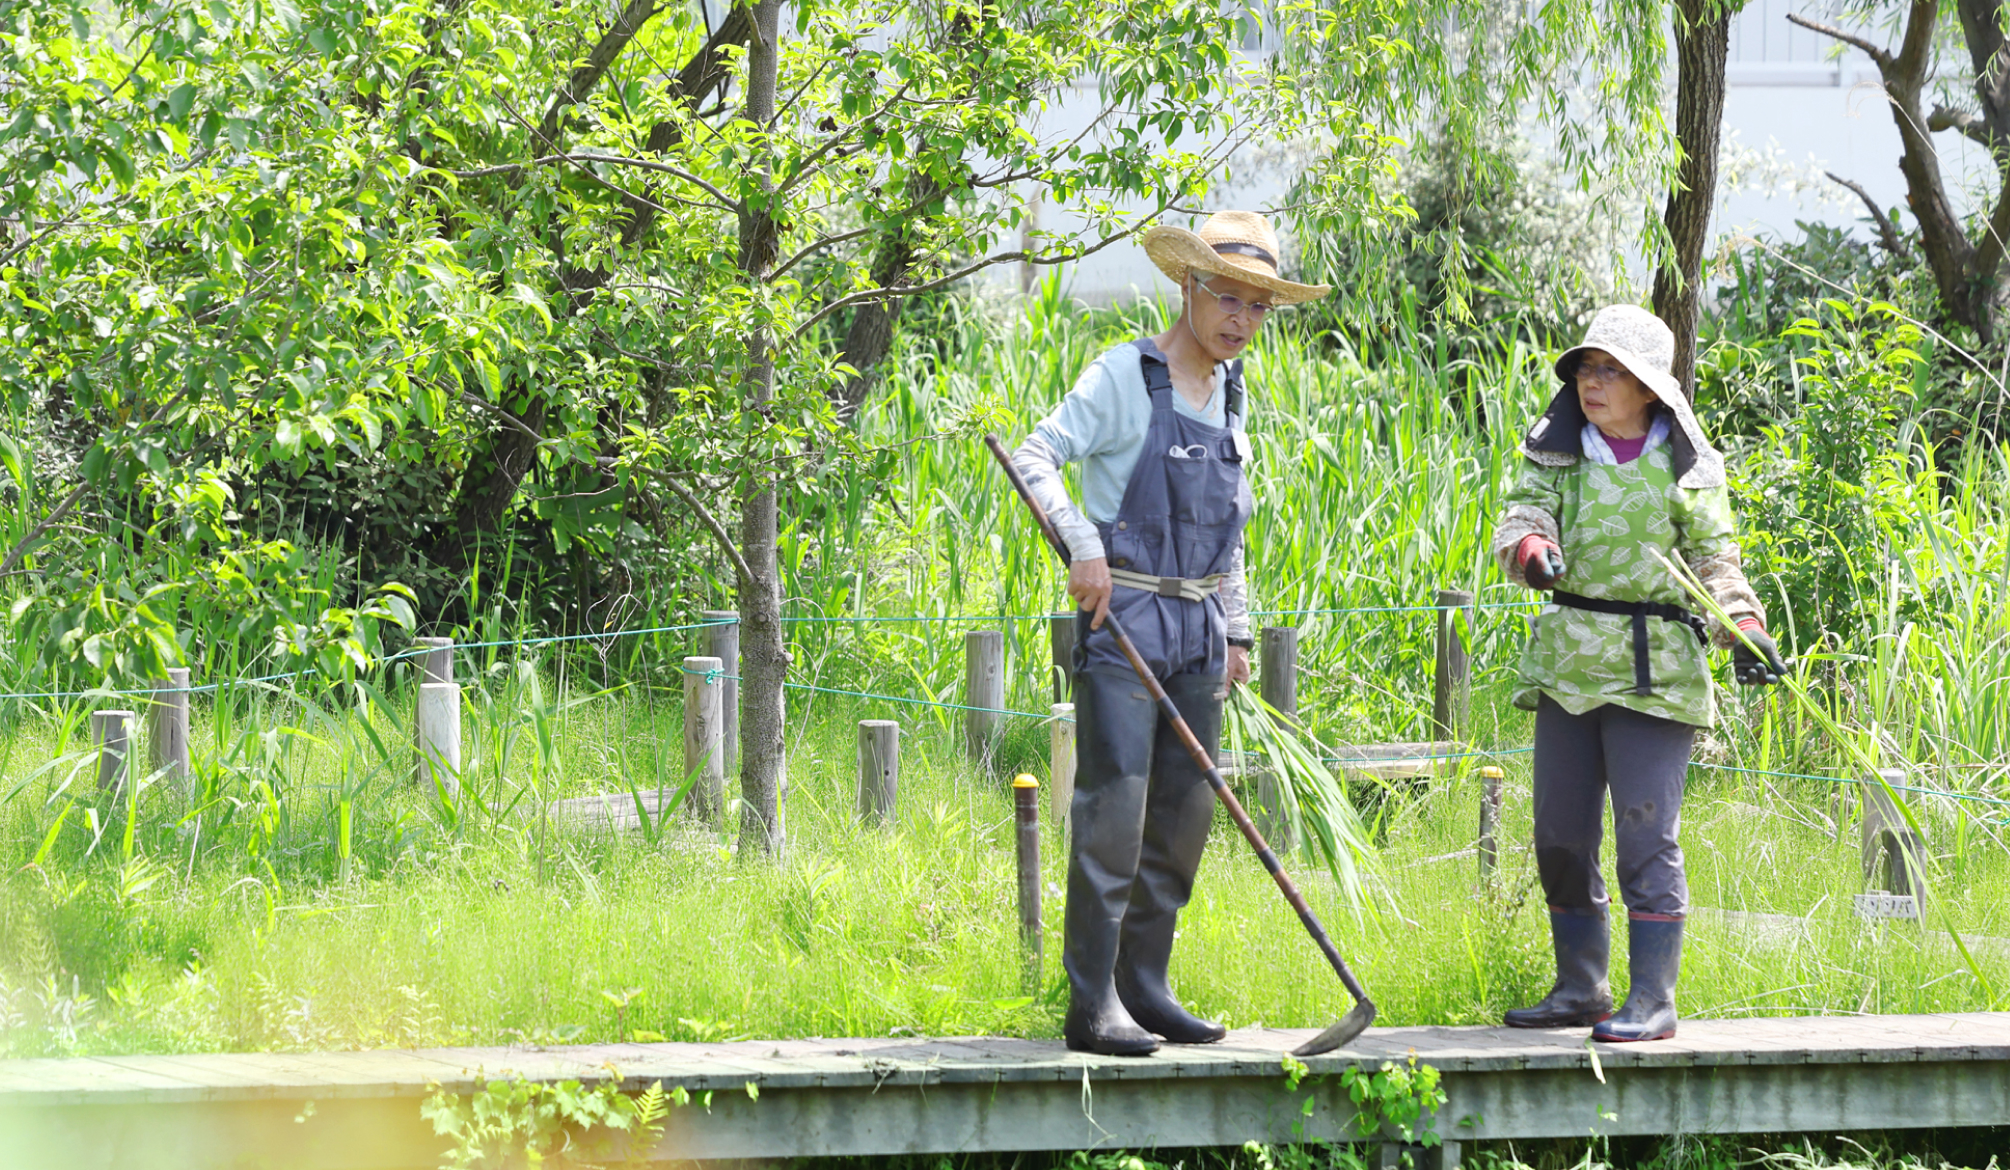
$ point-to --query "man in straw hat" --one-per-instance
(1157, 425)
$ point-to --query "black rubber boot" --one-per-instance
(1581, 995)
(1114, 722)
(1178, 812)
(1654, 958)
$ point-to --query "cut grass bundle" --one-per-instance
(1312, 802)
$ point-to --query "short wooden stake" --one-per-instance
(722, 641)
(983, 692)
(112, 731)
(704, 739)
(435, 657)
(167, 727)
(1452, 689)
(1892, 852)
(1026, 814)
(1273, 818)
(878, 770)
(439, 720)
(1277, 664)
(1061, 643)
(1491, 779)
(1061, 764)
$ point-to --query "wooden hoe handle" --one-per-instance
(1250, 832)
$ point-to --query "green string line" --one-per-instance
(1844, 780)
(714, 674)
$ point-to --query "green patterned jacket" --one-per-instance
(1607, 518)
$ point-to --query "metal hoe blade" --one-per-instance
(1349, 1026)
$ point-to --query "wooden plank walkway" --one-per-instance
(359, 1110)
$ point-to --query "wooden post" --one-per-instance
(722, 641)
(1061, 642)
(1061, 763)
(1026, 812)
(112, 731)
(167, 727)
(878, 770)
(1892, 852)
(704, 741)
(437, 661)
(983, 687)
(1490, 821)
(435, 657)
(439, 720)
(1277, 667)
(1277, 660)
(1452, 690)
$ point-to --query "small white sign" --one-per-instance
(1878, 904)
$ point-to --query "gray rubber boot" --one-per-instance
(1581, 994)
(1655, 960)
(1114, 721)
(1178, 812)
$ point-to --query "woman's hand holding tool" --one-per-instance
(1541, 561)
(1756, 659)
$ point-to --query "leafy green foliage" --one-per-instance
(1398, 1101)
(1816, 498)
(522, 1122)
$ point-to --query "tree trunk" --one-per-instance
(481, 504)
(871, 332)
(1702, 41)
(1955, 260)
(764, 656)
(485, 496)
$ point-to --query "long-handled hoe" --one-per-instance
(1363, 1013)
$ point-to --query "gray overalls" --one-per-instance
(1142, 809)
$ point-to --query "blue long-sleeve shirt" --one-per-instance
(1101, 424)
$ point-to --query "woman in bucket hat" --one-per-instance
(1617, 669)
(1157, 425)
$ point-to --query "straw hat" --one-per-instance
(1237, 244)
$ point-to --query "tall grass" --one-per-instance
(307, 894)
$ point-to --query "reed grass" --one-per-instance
(529, 932)
(307, 896)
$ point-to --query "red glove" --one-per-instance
(1541, 561)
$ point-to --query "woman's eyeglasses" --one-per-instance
(1231, 304)
(1601, 372)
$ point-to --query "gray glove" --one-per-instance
(1763, 668)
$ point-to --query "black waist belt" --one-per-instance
(1639, 611)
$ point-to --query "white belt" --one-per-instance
(1186, 588)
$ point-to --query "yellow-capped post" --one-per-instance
(1026, 813)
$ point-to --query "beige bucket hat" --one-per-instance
(1237, 244)
(1640, 341)
(1644, 344)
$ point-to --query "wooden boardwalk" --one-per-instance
(359, 1110)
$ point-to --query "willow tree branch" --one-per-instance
(1874, 51)
(1887, 235)
(1971, 127)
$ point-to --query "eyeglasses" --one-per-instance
(1602, 372)
(1231, 305)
